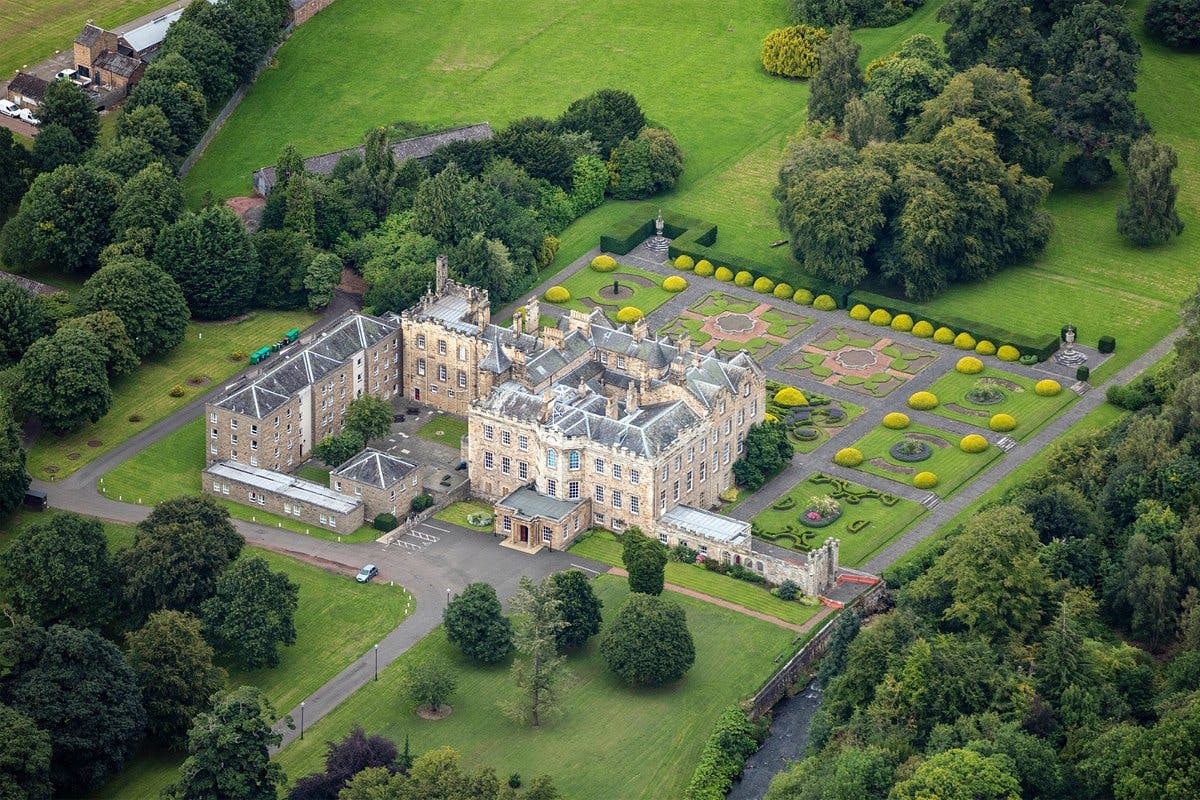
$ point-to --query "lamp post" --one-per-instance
(447, 597)
(301, 719)
(376, 662)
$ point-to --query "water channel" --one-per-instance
(786, 742)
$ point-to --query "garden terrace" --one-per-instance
(954, 391)
(728, 324)
(637, 288)
(869, 519)
(860, 361)
(810, 425)
(953, 467)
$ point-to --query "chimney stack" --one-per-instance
(441, 274)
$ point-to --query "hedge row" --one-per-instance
(734, 740)
(1042, 347)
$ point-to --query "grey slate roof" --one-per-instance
(528, 504)
(286, 485)
(88, 36)
(117, 63)
(375, 468)
(28, 86)
(403, 150)
(29, 284)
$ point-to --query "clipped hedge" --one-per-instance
(848, 457)
(674, 283)
(896, 420)
(902, 323)
(782, 291)
(1107, 344)
(824, 303)
(803, 297)
(969, 365)
(764, 285)
(743, 278)
(880, 317)
(789, 397)
(723, 274)
(1006, 352)
(557, 294)
(860, 313)
(704, 268)
(922, 330)
(1047, 387)
(925, 480)
(985, 348)
(733, 741)
(1002, 423)
(629, 314)
(684, 262)
(923, 401)
(604, 263)
(965, 341)
(943, 335)
(973, 443)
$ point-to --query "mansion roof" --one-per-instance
(375, 468)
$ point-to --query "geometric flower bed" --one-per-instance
(859, 361)
(973, 399)
(808, 426)
(637, 288)
(900, 455)
(728, 324)
(867, 521)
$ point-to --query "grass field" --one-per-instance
(953, 467)
(171, 467)
(203, 354)
(603, 546)
(885, 518)
(608, 742)
(457, 514)
(1027, 407)
(586, 284)
(445, 429)
(730, 118)
(32, 30)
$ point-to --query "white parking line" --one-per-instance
(434, 527)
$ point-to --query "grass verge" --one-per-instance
(445, 429)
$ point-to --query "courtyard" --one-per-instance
(727, 324)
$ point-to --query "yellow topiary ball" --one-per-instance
(603, 263)
(922, 330)
(923, 401)
(973, 443)
(881, 317)
(985, 348)
(764, 285)
(557, 294)
(790, 396)
(969, 365)
(804, 297)
(896, 420)
(782, 291)
(743, 278)
(674, 283)
(824, 302)
(684, 262)
(629, 315)
(964, 341)
(925, 480)
(1048, 387)
(860, 312)
(723, 274)
(902, 323)
(705, 268)
(1002, 423)
(848, 457)
(1006, 352)
(943, 335)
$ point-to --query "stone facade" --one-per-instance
(284, 496)
(384, 483)
(529, 521)
(91, 42)
(301, 11)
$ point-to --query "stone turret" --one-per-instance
(640, 329)
(533, 316)
(631, 397)
(441, 274)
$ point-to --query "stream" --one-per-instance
(786, 742)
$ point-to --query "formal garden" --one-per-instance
(612, 288)
(862, 519)
(727, 324)
(919, 456)
(860, 361)
(999, 401)
(810, 418)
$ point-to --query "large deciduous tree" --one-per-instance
(838, 77)
(125, 157)
(63, 221)
(648, 643)
(1148, 216)
(64, 381)
(609, 115)
(209, 54)
(151, 199)
(209, 255)
(539, 621)
(14, 169)
(580, 608)
(22, 321)
(148, 123)
(251, 613)
(171, 85)
(323, 276)
(68, 105)
(144, 297)
(474, 621)
(283, 259)
(645, 560)
(1175, 23)
(115, 345)
(999, 33)
(54, 146)
(429, 683)
(14, 477)
(961, 775)
(767, 452)
(175, 672)
(24, 759)
(916, 72)
(369, 417)
(345, 759)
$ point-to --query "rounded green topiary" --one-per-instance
(743, 278)
(603, 263)
(792, 51)
(1002, 423)
(848, 457)
(943, 335)
(902, 323)
(782, 291)
(973, 443)
(1006, 352)
(764, 285)
(985, 348)
(557, 294)
(629, 315)
(723, 274)
(804, 297)
(969, 365)
(896, 420)
(964, 341)
(674, 283)
(923, 401)
(922, 330)
(880, 317)
(790, 396)
(1047, 387)
(824, 302)
(925, 480)
(705, 268)
(860, 312)
(684, 262)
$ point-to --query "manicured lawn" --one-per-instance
(869, 520)
(204, 355)
(445, 429)
(603, 546)
(609, 741)
(171, 467)
(585, 287)
(1027, 407)
(457, 514)
(953, 467)
(811, 425)
(33, 31)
